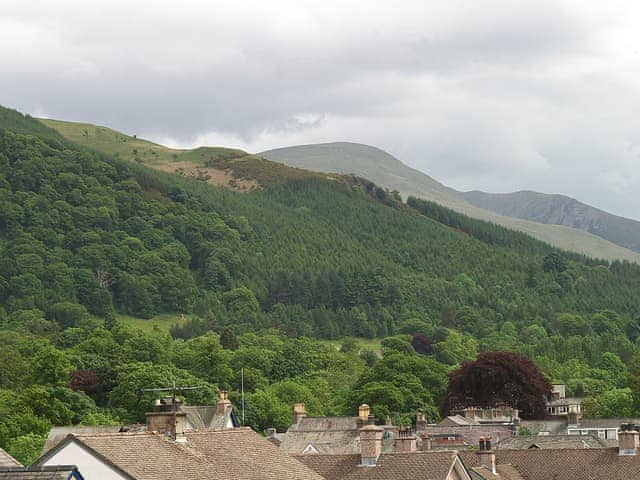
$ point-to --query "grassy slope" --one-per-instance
(387, 171)
(238, 164)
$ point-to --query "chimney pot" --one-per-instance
(299, 412)
(363, 412)
(487, 455)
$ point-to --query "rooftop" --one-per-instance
(221, 454)
(434, 465)
(551, 441)
(565, 464)
(58, 472)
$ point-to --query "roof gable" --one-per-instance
(7, 460)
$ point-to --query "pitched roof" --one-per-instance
(222, 454)
(605, 422)
(57, 472)
(330, 441)
(551, 441)
(208, 417)
(565, 464)
(434, 465)
(324, 424)
(324, 442)
(503, 472)
(57, 434)
(457, 420)
(7, 460)
(554, 426)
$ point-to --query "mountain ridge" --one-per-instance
(558, 209)
(388, 171)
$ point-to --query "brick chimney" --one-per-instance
(299, 412)
(486, 455)
(628, 440)
(363, 413)
(224, 403)
(370, 443)
(405, 441)
(167, 418)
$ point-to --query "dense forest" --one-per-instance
(272, 281)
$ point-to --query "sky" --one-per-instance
(481, 94)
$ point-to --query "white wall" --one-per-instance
(90, 467)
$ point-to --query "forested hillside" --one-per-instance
(389, 172)
(266, 279)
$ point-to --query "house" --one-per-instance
(59, 472)
(404, 463)
(434, 465)
(232, 454)
(622, 463)
(7, 460)
(561, 405)
(194, 418)
(605, 429)
(467, 426)
(328, 435)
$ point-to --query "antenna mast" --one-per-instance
(242, 390)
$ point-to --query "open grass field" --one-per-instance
(363, 343)
(163, 322)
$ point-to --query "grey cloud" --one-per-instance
(496, 95)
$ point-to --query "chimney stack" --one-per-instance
(299, 412)
(628, 440)
(486, 455)
(370, 443)
(223, 404)
(168, 419)
(405, 441)
(427, 442)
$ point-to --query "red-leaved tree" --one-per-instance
(86, 381)
(496, 378)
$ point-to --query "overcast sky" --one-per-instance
(480, 94)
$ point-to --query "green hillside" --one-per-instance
(387, 171)
(225, 167)
(91, 243)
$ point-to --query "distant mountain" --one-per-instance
(387, 171)
(560, 210)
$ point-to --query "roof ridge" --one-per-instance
(577, 449)
(219, 430)
(114, 434)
